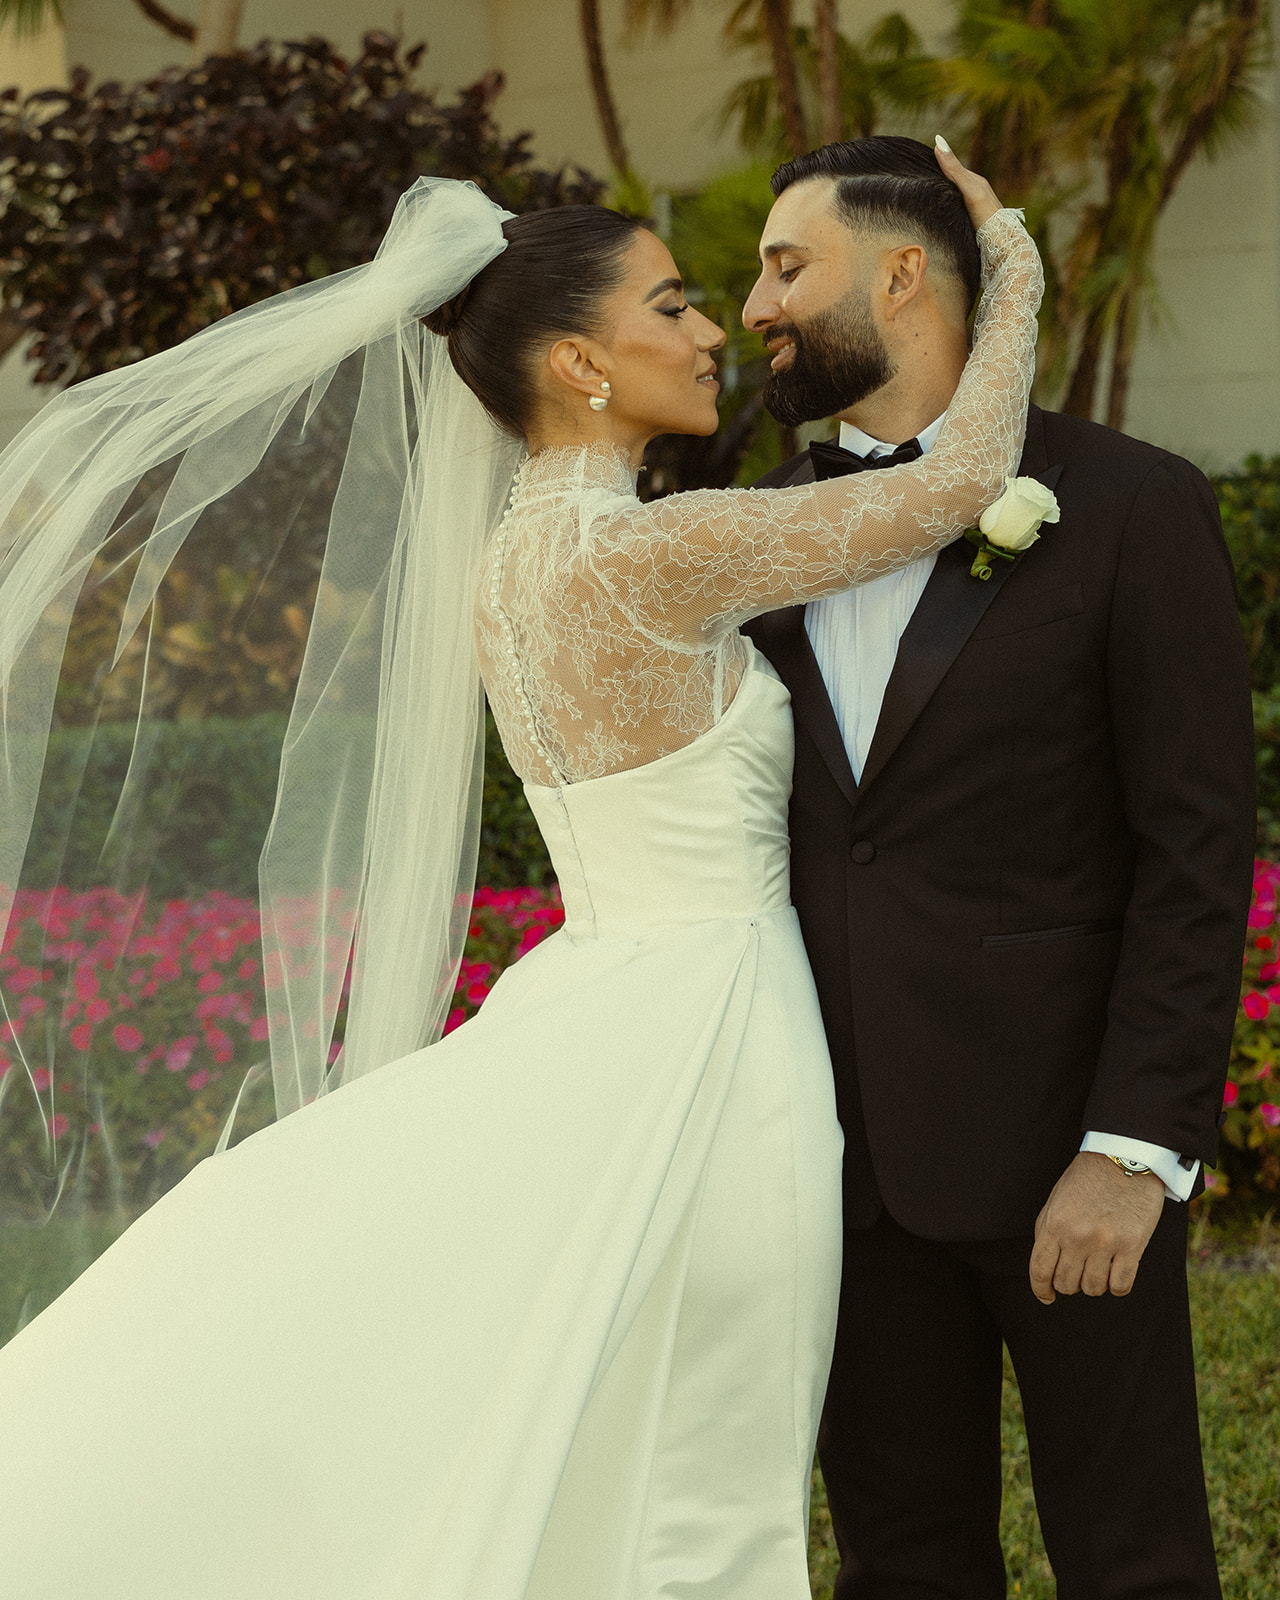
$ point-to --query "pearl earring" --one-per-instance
(598, 402)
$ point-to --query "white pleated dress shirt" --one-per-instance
(855, 637)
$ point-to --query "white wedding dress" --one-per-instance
(543, 1312)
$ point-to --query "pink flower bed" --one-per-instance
(1252, 1100)
(137, 1024)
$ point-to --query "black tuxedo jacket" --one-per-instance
(1027, 920)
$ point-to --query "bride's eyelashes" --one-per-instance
(675, 311)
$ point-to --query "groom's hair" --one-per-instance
(887, 182)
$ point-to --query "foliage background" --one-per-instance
(131, 216)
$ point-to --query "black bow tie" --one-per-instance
(833, 461)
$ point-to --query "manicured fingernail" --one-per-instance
(941, 143)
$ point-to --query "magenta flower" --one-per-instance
(82, 1036)
(197, 1080)
(179, 1053)
(259, 1029)
(127, 1036)
(58, 1124)
(219, 1044)
(1255, 1006)
(1270, 1114)
(210, 982)
(41, 1078)
(98, 1010)
(1230, 1094)
(154, 1139)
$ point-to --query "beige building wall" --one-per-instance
(1206, 381)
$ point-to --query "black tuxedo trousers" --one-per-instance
(1026, 921)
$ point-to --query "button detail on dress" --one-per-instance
(863, 852)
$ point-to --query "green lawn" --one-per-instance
(1237, 1329)
(1236, 1303)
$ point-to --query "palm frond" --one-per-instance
(659, 16)
(27, 17)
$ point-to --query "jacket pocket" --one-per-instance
(1077, 930)
(1015, 613)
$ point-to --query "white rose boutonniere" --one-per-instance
(1012, 523)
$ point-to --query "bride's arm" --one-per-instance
(694, 564)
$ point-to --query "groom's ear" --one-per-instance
(902, 277)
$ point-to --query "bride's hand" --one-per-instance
(979, 196)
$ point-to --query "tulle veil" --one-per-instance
(371, 852)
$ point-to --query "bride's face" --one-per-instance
(654, 351)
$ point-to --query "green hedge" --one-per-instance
(202, 827)
(1250, 503)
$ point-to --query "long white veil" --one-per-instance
(371, 852)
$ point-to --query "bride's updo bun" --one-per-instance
(550, 282)
(444, 319)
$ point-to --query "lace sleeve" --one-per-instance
(692, 566)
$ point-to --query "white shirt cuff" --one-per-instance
(1178, 1180)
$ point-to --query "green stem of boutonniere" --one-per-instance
(981, 567)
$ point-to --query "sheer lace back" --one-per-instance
(607, 629)
(580, 686)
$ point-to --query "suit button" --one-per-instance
(863, 852)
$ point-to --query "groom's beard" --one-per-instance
(840, 358)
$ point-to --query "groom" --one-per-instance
(1022, 830)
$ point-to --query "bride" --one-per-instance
(544, 1310)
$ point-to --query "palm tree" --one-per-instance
(1093, 110)
(215, 33)
(767, 22)
(830, 102)
(601, 88)
(29, 16)
(884, 69)
(775, 23)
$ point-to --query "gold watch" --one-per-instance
(1130, 1167)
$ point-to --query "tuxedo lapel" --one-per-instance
(786, 643)
(950, 609)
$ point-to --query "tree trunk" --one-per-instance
(218, 30)
(606, 110)
(831, 109)
(776, 16)
(178, 27)
(1248, 24)
(1126, 337)
(1083, 389)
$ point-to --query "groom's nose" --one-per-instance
(763, 307)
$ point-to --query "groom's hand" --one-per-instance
(1093, 1229)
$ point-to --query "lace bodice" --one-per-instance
(608, 629)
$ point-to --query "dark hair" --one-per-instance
(887, 181)
(559, 265)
